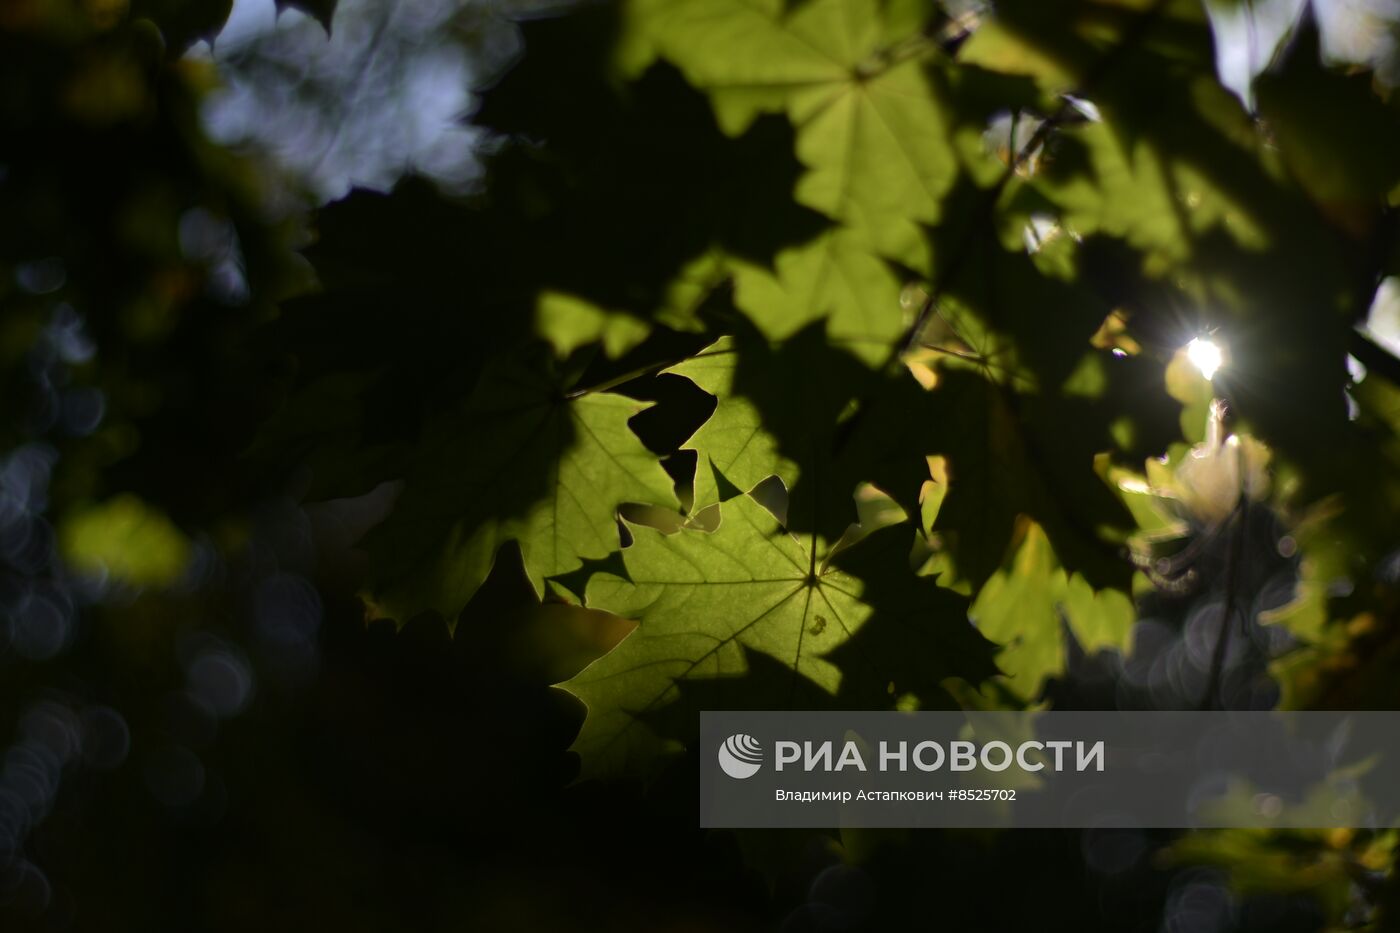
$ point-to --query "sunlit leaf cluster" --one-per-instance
(741, 269)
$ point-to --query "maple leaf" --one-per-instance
(858, 625)
(523, 461)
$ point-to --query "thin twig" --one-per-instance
(987, 207)
(1232, 560)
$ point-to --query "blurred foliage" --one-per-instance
(777, 342)
(126, 539)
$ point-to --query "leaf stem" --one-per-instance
(1237, 519)
(614, 382)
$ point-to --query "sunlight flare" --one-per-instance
(1205, 354)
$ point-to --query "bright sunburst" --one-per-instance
(1205, 355)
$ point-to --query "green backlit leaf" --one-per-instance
(522, 461)
(570, 322)
(815, 417)
(871, 130)
(831, 277)
(1026, 605)
(859, 627)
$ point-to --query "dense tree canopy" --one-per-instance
(368, 562)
